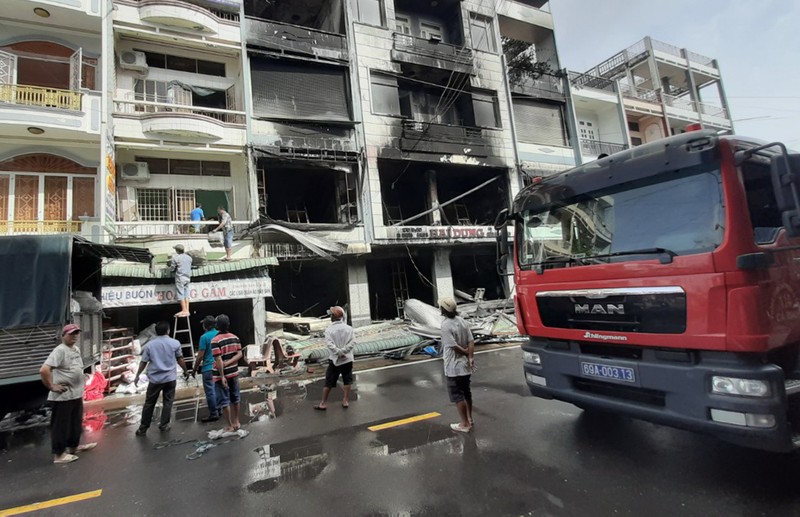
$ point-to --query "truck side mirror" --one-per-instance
(785, 172)
(500, 224)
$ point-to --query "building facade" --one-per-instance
(365, 145)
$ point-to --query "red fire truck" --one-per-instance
(662, 283)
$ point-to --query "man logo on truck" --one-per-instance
(599, 308)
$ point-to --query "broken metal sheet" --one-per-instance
(325, 248)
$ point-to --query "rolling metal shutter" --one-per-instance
(539, 122)
(299, 91)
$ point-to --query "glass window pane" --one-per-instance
(482, 33)
(385, 98)
(485, 111)
(210, 68)
(155, 60)
(370, 11)
(185, 167)
(216, 168)
(82, 198)
(182, 64)
(155, 165)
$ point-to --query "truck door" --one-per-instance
(782, 283)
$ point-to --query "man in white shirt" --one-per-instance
(458, 348)
(340, 341)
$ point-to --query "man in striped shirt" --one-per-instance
(227, 350)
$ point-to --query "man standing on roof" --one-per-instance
(340, 341)
(62, 375)
(226, 225)
(458, 347)
(181, 265)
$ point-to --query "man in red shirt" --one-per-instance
(227, 351)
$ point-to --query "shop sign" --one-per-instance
(218, 290)
(440, 232)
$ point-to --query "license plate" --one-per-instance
(608, 372)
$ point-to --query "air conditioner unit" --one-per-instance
(136, 171)
(132, 60)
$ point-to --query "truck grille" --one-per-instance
(630, 393)
(657, 310)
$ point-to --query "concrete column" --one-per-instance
(722, 96)
(623, 116)
(442, 275)
(655, 75)
(358, 295)
(433, 197)
(259, 320)
(694, 92)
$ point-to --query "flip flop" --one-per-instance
(318, 408)
(345, 406)
(86, 447)
(68, 458)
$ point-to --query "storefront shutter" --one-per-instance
(539, 122)
(299, 91)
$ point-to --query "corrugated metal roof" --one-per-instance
(114, 269)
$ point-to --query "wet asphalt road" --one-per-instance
(526, 456)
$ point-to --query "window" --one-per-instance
(153, 204)
(177, 204)
(633, 126)
(482, 32)
(761, 203)
(539, 122)
(486, 110)
(385, 97)
(636, 141)
(184, 64)
(430, 31)
(185, 167)
(150, 91)
(402, 25)
(370, 11)
(299, 91)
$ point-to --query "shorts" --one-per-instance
(226, 397)
(332, 375)
(182, 286)
(458, 389)
(227, 238)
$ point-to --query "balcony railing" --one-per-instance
(711, 110)
(433, 49)
(39, 227)
(596, 147)
(294, 39)
(162, 104)
(226, 16)
(594, 82)
(642, 94)
(160, 228)
(545, 86)
(40, 97)
(423, 137)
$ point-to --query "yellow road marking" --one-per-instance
(51, 503)
(409, 420)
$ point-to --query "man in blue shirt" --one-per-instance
(160, 356)
(204, 362)
(198, 215)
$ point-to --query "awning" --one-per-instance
(325, 248)
(86, 247)
(118, 270)
(254, 283)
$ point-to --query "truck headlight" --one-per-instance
(742, 387)
(531, 357)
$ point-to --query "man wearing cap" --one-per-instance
(181, 264)
(458, 347)
(340, 342)
(62, 375)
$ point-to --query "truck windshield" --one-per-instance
(676, 215)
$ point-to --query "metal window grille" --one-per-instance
(153, 204)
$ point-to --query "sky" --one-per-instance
(756, 42)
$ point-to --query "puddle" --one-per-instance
(295, 460)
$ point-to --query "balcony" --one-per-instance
(146, 119)
(170, 229)
(639, 94)
(49, 108)
(39, 227)
(210, 24)
(596, 147)
(683, 108)
(578, 80)
(543, 87)
(290, 39)
(432, 53)
(424, 137)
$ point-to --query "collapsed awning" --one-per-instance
(119, 270)
(325, 248)
(86, 247)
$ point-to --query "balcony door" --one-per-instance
(8, 68)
